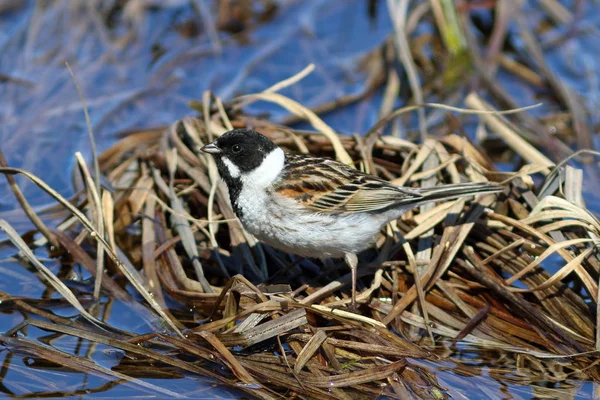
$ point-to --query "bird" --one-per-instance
(313, 206)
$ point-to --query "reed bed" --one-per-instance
(504, 285)
(473, 273)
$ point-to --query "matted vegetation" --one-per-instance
(504, 285)
(463, 271)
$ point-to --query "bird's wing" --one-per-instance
(327, 186)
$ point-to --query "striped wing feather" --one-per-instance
(330, 187)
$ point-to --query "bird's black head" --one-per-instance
(244, 148)
(245, 158)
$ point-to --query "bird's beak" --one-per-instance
(211, 148)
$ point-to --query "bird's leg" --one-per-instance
(352, 262)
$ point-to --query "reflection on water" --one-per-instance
(140, 67)
(488, 373)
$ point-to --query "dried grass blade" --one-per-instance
(355, 378)
(550, 214)
(223, 114)
(78, 363)
(267, 330)
(472, 324)
(80, 256)
(453, 296)
(234, 364)
(52, 279)
(250, 322)
(137, 281)
(108, 207)
(396, 113)
(422, 155)
(231, 283)
(560, 225)
(451, 241)
(547, 253)
(148, 260)
(181, 225)
(325, 290)
(440, 329)
(314, 369)
(134, 201)
(597, 344)
(398, 10)
(505, 249)
(88, 124)
(93, 190)
(266, 307)
(556, 336)
(425, 243)
(585, 277)
(130, 273)
(311, 347)
(573, 185)
(518, 144)
(292, 79)
(388, 350)
(31, 214)
(419, 286)
(428, 173)
(561, 273)
(125, 345)
(436, 215)
(577, 211)
(347, 315)
(298, 109)
(113, 156)
(284, 380)
(566, 93)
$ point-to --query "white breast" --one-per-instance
(281, 223)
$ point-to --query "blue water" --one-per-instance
(149, 82)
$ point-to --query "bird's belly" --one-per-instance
(310, 235)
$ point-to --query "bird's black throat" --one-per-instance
(233, 184)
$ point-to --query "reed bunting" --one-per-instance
(311, 206)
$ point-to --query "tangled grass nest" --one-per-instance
(511, 277)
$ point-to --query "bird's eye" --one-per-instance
(236, 149)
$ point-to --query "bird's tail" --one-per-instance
(447, 192)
